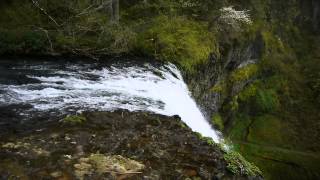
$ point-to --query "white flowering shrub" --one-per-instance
(189, 3)
(234, 18)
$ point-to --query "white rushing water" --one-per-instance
(135, 88)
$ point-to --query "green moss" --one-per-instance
(276, 108)
(237, 164)
(183, 125)
(267, 100)
(267, 129)
(178, 39)
(208, 140)
(279, 163)
(219, 87)
(272, 43)
(244, 73)
(248, 92)
(234, 105)
(74, 119)
(239, 127)
(217, 121)
(199, 136)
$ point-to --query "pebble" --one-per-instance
(56, 174)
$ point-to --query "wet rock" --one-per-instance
(114, 145)
(212, 73)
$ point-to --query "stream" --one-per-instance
(54, 88)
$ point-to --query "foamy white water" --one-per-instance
(135, 88)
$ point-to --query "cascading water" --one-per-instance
(77, 87)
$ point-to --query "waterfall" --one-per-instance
(79, 87)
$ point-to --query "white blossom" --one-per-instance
(234, 18)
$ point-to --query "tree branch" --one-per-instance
(36, 4)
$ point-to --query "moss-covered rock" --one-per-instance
(74, 119)
(178, 39)
(244, 73)
(239, 165)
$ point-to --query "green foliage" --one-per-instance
(168, 30)
(74, 119)
(110, 39)
(237, 164)
(122, 39)
(178, 39)
(270, 111)
(80, 29)
(314, 80)
(260, 98)
(217, 121)
(18, 13)
(23, 41)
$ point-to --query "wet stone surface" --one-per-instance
(111, 145)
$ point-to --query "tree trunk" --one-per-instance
(115, 7)
(316, 15)
(109, 9)
(113, 10)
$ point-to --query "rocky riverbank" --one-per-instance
(114, 145)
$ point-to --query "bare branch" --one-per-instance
(89, 11)
(36, 4)
(48, 37)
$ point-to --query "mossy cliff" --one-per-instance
(257, 76)
(264, 94)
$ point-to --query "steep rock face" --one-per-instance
(269, 142)
(282, 142)
(210, 74)
(113, 145)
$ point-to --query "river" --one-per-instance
(60, 87)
